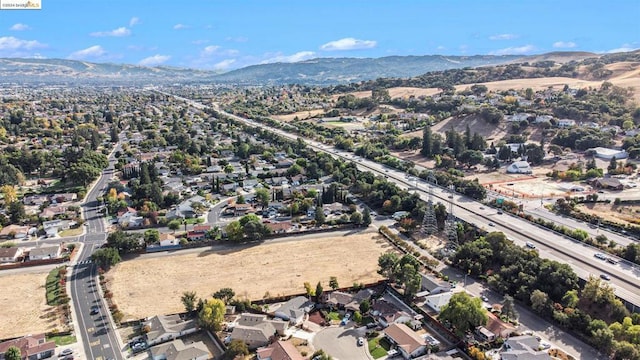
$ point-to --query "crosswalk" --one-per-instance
(83, 262)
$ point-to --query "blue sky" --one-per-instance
(226, 35)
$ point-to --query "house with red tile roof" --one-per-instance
(31, 347)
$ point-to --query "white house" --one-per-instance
(519, 167)
(45, 252)
(10, 255)
(52, 227)
(164, 328)
(176, 349)
(294, 310)
(543, 118)
(608, 154)
(437, 301)
(168, 240)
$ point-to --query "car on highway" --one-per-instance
(484, 298)
(605, 277)
(530, 245)
(499, 212)
(600, 256)
(492, 224)
(612, 261)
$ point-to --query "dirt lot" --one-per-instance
(300, 114)
(154, 285)
(23, 302)
(623, 214)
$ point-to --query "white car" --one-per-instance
(360, 341)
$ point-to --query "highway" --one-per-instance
(625, 278)
(97, 332)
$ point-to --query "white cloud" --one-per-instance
(180, 27)
(134, 21)
(516, 50)
(348, 44)
(564, 44)
(503, 37)
(19, 27)
(623, 48)
(440, 47)
(210, 50)
(119, 32)
(224, 64)
(299, 56)
(154, 60)
(199, 42)
(92, 52)
(13, 47)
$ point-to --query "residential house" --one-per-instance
(199, 232)
(294, 310)
(163, 328)
(522, 348)
(190, 208)
(177, 350)
(543, 118)
(249, 184)
(499, 327)
(45, 252)
(166, 239)
(36, 200)
(279, 350)
(52, 227)
(407, 341)
(242, 209)
(279, 227)
(14, 232)
(10, 255)
(66, 197)
(433, 285)
(256, 330)
(130, 220)
(338, 299)
(32, 347)
(437, 301)
(607, 183)
(608, 154)
(53, 211)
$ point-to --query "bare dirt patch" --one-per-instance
(622, 214)
(150, 286)
(302, 115)
(405, 92)
(491, 132)
(24, 305)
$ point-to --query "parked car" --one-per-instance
(66, 352)
(95, 309)
(360, 341)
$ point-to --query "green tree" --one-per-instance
(106, 257)
(571, 299)
(365, 306)
(308, 289)
(319, 290)
(151, 236)
(427, 142)
(366, 217)
(174, 225)
(234, 231)
(224, 294)
(189, 300)
(236, 347)
(263, 197)
(539, 301)
(509, 308)
(463, 312)
(13, 353)
(357, 317)
(387, 264)
(212, 314)
(319, 217)
(16, 212)
(333, 282)
(356, 218)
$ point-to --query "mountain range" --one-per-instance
(320, 71)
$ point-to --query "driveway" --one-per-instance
(341, 343)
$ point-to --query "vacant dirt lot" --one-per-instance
(24, 310)
(152, 286)
(300, 114)
(623, 214)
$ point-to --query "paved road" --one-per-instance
(97, 332)
(341, 343)
(625, 278)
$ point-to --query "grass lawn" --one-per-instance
(62, 340)
(378, 347)
(194, 221)
(333, 316)
(71, 232)
(53, 287)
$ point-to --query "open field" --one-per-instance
(622, 214)
(24, 308)
(302, 115)
(490, 132)
(153, 285)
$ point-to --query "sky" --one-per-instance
(226, 35)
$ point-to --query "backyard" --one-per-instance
(154, 285)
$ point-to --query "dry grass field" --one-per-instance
(24, 309)
(153, 285)
(302, 115)
(623, 214)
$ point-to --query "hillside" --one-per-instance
(322, 71)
